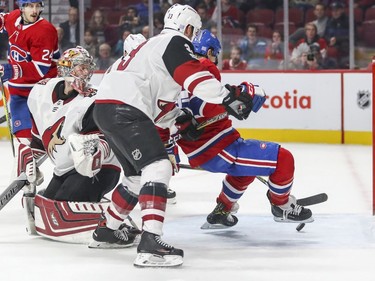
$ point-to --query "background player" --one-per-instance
(221, 149)
(138, 93)
(33, 52)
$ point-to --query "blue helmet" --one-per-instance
(204, 41)
(21, 3)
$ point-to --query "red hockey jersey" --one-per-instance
(34, 48)
(216, 136)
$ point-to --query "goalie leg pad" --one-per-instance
(66, 221)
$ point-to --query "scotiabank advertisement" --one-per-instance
(294, 101)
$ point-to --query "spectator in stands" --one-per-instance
(158, 22)
(119, 47)
(142, 9)
(320, 22)
(205, 18)
(304, 59)
(321, 18)
(211, 5)
(230, 15)
(130, 21)
(71, 29)
(315, 44)
(303, 4)
(146, 31)
(337, 35)
(103, 31)
(213, 30)
(60, 37)
(253, 48)
(90, 43)
(274, 55)
(104, 60)
(235, 62)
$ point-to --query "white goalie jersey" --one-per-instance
(55, 117)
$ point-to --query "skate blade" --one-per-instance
(172, 201)
(208, 225)
(309, 220)
(150, 260)
(104, 245)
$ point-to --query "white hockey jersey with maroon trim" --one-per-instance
(54, 119)
(152, 77)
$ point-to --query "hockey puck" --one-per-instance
(300, 226)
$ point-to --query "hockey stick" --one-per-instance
(7, 115)
(209, 121)
(17, 185)
(306, 201)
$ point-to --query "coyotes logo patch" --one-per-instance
(52, 137)
(165, 107)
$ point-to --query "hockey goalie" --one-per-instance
(85, 168)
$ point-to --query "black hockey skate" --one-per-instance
(291, 212)
(219, 219)
(153, 252)
(171, 196)
(106, 238)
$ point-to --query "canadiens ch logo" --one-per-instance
(136, 154)
(52, 137)
(17, 54)
(363, 99)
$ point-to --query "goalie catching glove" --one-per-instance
(88, 152)
(243, 99)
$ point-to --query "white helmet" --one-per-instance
(179, 16)
(133, 41)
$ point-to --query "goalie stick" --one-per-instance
(16, 185)
(306, 201)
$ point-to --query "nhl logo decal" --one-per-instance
(363, 99)
(136, 154)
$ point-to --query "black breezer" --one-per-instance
(72, 186)
(131, 135)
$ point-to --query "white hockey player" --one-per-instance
(140, 91)
(85, 169)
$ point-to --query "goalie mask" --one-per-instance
(76, 66)
(178, 17)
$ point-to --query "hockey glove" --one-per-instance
(88, 152)
(26, 163)
(259, 97)
(187, 126)
(172, 150)
(238, 102)
(8, 71)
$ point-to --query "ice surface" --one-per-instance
(339, 245)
